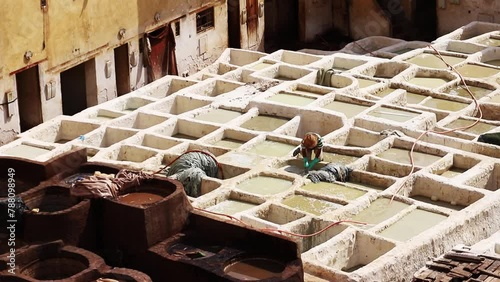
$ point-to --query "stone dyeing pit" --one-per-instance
(54, 261)
(268, 101)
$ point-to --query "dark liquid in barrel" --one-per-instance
(140, 198)
(254, 269)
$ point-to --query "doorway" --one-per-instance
(74, 90)
(425, 20)
(282, 25)
(252, 22)
(122, 70)
(233, 23)
(161, 58)
(29, 98)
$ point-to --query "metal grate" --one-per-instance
(205, 20)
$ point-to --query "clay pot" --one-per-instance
(133, 227)
(67, 161)
(209, 249)
(30, 174)
(60, 216)
(53, 261)
(27, 175)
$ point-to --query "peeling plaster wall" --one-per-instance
(453, 16)
(195, 51)
(93, 25)
(60, 36)
(22, 31)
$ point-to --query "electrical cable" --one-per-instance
(282, 231)
(477, 109)
(7, 103)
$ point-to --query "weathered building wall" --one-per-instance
(10, 113)
(93, 25)
(137, 70)
(9, 123)
(51, 107)
(194, 50)
(22, 27)
(452, 16)
(316, 17)
(62, 35)
(368, 19)
(249, 38)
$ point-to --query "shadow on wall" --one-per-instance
(281, 25)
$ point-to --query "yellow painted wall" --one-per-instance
(22, 30)
(76, 30)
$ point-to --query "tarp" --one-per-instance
(330, 173)
(189, 169)
(490, 138)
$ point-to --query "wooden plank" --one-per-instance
(433, 275)
(484, 265)
(464, 257)
(489, 273)
(471, 266)
(493, 266)
(482, 277)
(423, 273)
(443, 260)
(445, 278)
(438, 266)
(461, 272)
(473, 280)
(441, 277)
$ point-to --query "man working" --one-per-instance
(312, 142)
